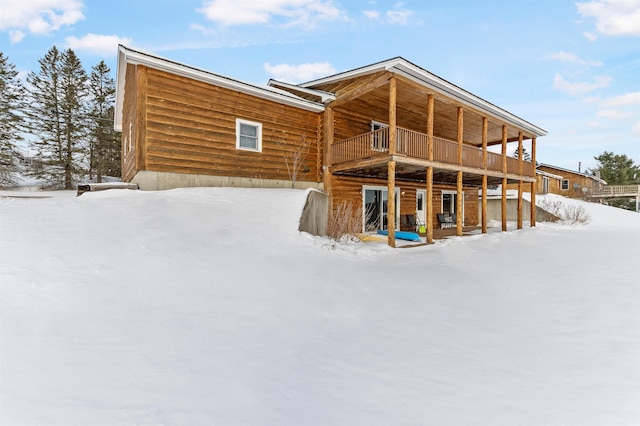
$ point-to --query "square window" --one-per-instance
(248, 135)
(565, 183)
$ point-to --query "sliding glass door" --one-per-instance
(375, 200)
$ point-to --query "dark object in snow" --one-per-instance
(106, 185)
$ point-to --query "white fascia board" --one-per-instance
(430, 80)
(547, 174)
(596, 178)
(324, 96)
(368, 69)
(128, 56)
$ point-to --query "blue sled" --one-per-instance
(403, 235)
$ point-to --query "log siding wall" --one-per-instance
(349, 190)
(191, 128)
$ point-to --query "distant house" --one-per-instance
(568, 183)
(385, 128)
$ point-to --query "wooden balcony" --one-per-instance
(413, 146)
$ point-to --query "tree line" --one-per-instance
(65, 117)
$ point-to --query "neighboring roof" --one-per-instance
(547, 174)
(130, 56)
(324, 96)
(597, 179)
(423, 77)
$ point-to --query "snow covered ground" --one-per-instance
(208, 307)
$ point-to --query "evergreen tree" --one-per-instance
(11, 120)
(525, 154)
(104, 142)
(616, 169)
(57, 117)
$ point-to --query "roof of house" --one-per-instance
(597, 179)
(547, 174)
(305, 95)
(431, 81)
(130, 56)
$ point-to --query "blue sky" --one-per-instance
(572, 68)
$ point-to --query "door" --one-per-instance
(450, 202)
(375, 208)
(379, 141)
(421, 207)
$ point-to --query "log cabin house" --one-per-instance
(571, 184)
(385, 128)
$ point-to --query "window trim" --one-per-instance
(562, 184)
(258, 126)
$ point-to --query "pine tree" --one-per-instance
(104, 142)
(11, 120)
(57, 117)
(616, 169)
(525, 154)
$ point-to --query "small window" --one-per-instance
(565, 184)
(248, 135)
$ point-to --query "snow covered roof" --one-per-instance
(547, 174)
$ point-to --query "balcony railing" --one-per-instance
(617, 191)
(414, 144)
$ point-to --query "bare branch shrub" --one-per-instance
(568, 214)
(345, 221)
(575, 214)
(294, 156)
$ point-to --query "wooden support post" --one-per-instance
(391, 204)
(429, 215)
(392, 115)
(429, 212)
(459, 209)
(520, 172)
(504, 179)
(485, 131)
(459, 200)
(328, 145)
(534, 186)
(460, 134)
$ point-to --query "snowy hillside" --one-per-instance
(208, 307)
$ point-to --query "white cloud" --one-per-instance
(580, 87)
(590, 36)
(614, 114)
(291, 12)
(371, 14)
(37, 16)
(399, 16)
(299, 73)
(632, 98)
(613, 17)
(104, 45)
(16, 36)
(571, 58)
(636, 129)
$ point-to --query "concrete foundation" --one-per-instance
(157, 181)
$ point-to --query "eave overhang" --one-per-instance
(434, 83)
(128, 56)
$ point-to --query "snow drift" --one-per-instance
(207, 306)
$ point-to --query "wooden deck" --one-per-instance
(411, 145)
